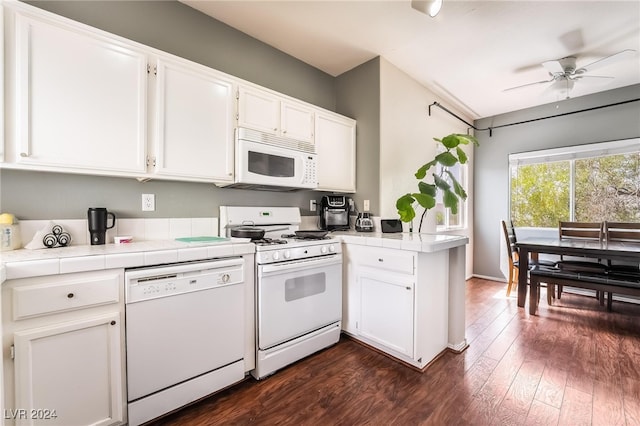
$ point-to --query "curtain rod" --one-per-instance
(490, 129)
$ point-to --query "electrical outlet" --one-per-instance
(148, 202)
(366, 205)
(312, 205)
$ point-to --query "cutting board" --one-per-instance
(202, 239)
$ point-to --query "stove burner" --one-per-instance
(268, 242)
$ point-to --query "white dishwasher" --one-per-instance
(184, 334)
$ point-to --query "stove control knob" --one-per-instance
(287, 254)
(323, 249)
(332, 248)
(276, 255)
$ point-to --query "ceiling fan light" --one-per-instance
(430, 7)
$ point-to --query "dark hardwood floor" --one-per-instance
(572, 364)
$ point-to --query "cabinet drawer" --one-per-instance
(66, 295)
(389, 259)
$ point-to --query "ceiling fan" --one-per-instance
(564, 72)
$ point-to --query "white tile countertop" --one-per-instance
(61, 260)
(427, 243)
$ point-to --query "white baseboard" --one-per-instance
(486, 277)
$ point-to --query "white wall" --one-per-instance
(406, 142)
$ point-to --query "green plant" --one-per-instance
(443, 180)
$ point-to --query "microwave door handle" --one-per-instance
(278, 268)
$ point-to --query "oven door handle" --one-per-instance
(278, 268)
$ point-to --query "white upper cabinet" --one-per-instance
(80, 100)
(336, 148)
(277, 115)
(297, 121)
(259, 110)
(194, 122)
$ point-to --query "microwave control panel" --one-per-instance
(310, 170)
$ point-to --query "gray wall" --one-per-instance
(178, 29)
(358, 96)
(491, 179)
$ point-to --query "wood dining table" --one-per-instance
(613, 250)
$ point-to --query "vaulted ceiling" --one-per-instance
(469, 53)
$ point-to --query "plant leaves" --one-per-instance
(427, 188)
(450, 141)
(404, 205)
(462, 156)
(422, 171)
(451, 201)
(446, 159)
(425, 200)
(441, 183)
(457, 188)
(466, 139)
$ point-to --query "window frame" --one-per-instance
(462, 207)
(570, 153)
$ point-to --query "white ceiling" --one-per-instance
(468, 54)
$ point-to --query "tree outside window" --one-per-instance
(604, 188)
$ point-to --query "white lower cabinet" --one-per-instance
(397, 301)
(386, 313)
(64, 365)
(69, 374)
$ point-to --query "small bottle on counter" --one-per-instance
(9, 232)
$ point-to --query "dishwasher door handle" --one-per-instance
(181, 268)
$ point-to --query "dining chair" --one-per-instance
(581, 231)
(623, 232)
(513, 256)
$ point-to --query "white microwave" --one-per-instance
(264, 161)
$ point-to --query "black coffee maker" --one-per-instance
(334, 212)
(97, 218)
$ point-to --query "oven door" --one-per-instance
(263, 164)
(295, 298)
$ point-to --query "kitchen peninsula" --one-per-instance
(404, 293)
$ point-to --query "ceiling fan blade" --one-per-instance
(592, 80)
(528, 84)
(589, 77)
(554, 67)
(607, 60)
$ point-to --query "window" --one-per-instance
(588, 183)
(444, 218)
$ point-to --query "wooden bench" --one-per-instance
(619, 283)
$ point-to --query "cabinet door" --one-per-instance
(350, 290)
(258, 110)
(297, 121)
(80, 98)
(194, 122)
(70, 373)
(335, 139)
(386, 309)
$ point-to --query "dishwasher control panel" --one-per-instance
(168, 280)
